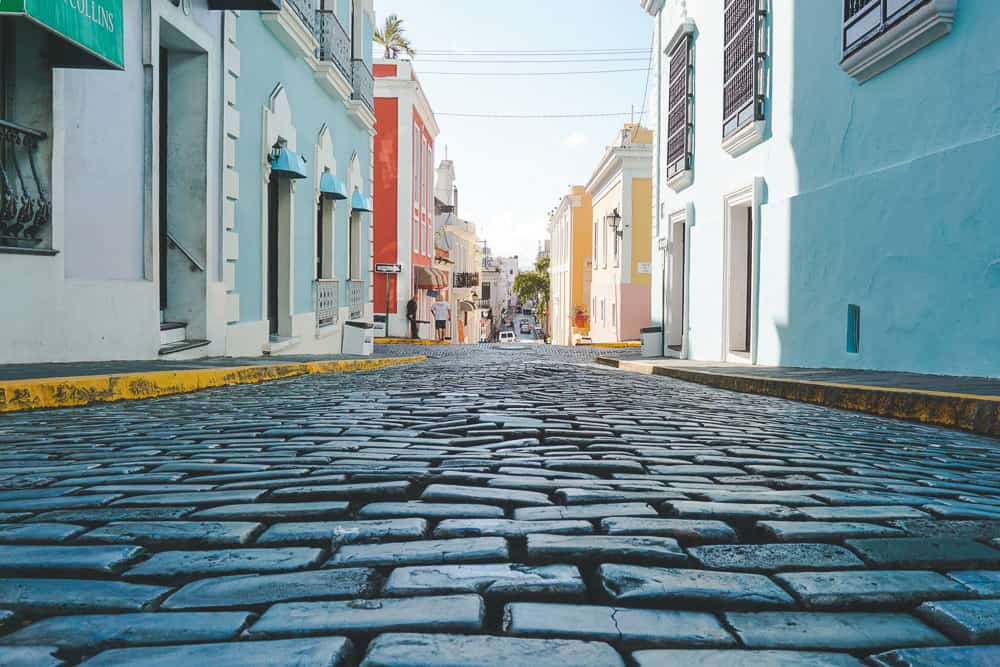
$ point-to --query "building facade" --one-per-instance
(621, 190)
(110, 129)
(299, 125)
(404, 175)
(571, 236)
(458, 238)
(820, 197)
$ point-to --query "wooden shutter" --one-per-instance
(679, 109)
(864, 20)
(741, 99)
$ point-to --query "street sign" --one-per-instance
(388, 268)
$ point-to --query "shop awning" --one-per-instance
(426, 277)
(332, 187)
(88, 33)
(466, 306)
(360, 202)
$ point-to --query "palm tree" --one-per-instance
(391, 37)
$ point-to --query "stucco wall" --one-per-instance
(265, 64)
(879, 194)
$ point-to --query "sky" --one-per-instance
(512, 172)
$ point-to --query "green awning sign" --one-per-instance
(93, 26)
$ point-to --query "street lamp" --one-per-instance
(614, 221)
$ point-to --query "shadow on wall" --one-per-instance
(898, 211)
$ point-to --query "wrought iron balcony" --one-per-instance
(334, 42)
(25, 206)
(356, 298)
(466, 280)
(364, 83)
(306, 10)
(326, 300)
(484, 304)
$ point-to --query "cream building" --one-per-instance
(570, 237)
(464, 251)
(621, 188)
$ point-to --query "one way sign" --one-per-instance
(388, 268)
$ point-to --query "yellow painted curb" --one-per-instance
(410, 341)
(977, 413)
(16, 395)
(628, 343)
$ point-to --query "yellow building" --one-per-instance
(621, 188)
(570, 267)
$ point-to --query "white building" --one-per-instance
(457, 237)
(825, 183)
(123, 114)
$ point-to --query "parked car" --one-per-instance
(525, 327)
(507, 337)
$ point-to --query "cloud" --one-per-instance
(576, 139)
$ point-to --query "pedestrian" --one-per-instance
(411, 315)
(442, 313)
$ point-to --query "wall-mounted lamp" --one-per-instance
(614, 220)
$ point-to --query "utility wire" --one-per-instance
(529, 62)
(530, 52)
(531, 116)
(649, 69)
(598, 71)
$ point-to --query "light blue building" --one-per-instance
(827, 183)
(297, 179)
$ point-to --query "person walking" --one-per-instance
(411, 315)
(442, 313)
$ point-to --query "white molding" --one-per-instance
(290, 31)
(745, 138)
(332, 80)
(362, 115)
(652, 7)
(748, 195)
(687, 27)
(680, 180)
(927, 23)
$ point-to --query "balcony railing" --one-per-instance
(334, 42)
(326, 299)
(356, 298)
(466, 280)
(364, 83)
(25, 206)
(484, 304)
(306, 9)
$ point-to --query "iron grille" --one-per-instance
(355, 298)
(25, 207)
(865, 20)
(326, 294)
(742, 100)
(679, 112)
(466, 280)
(334, 42)
(306, 10)
(364, 83)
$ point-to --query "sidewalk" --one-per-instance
(967, 403)
(57, 385)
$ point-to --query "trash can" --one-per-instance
(359, 338)
(652, 341)
(424, 330)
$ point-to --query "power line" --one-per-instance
(574, 60)
(532, 116)
(598, 71)
(530, 51)
(645, 90)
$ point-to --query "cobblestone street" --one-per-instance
(493, 507)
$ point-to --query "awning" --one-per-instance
(332, 187)
(288, 163)
(426, 277)
(466, 306)
(89, 33)
(360, 202)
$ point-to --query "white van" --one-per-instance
(507, 337)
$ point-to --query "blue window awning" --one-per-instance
(360, 202)
(332, 187)
(287, 162)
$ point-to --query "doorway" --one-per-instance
(739, 282)
(164, 192)
(273, 226)
(674, 269)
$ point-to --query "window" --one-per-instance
(614, 318)
(853, 328)
(877, 34)
(486, 291)
(742, 100)
(416, 168)
(679, 110)
(602, 310)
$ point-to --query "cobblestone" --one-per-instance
(654, 523)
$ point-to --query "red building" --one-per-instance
(404, 195)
